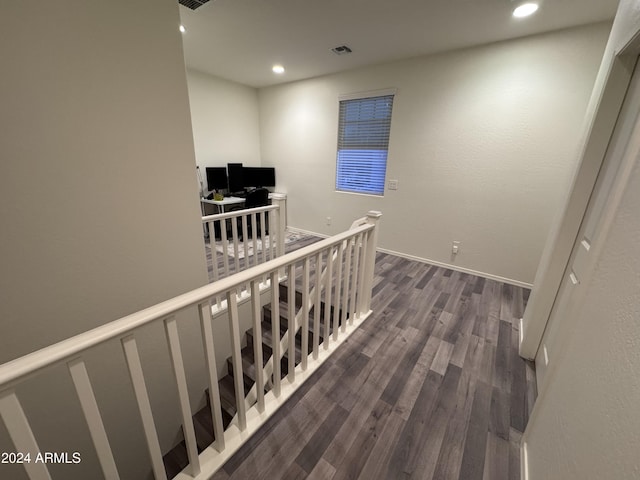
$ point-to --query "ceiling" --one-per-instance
(241, 40)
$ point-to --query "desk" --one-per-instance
(228, 201)
(225, 202)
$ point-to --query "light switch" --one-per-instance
(393, 184)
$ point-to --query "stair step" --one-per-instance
(267, 346)
(176, 459)
(248, 365)
(284, 318)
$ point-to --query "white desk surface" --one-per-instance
(224, 201)
(237, 200)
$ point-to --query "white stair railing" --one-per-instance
(347, 293)
(244, 238)
(247, 237)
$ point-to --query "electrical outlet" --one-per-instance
(455, 248)
(393, 184)
(328, 220)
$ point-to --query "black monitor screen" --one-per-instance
(259, 177)
(216, 178)
(236, 177)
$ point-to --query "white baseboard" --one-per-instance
(307, 232)
(490, 276)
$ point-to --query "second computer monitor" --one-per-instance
(259, 177)
(236, 177)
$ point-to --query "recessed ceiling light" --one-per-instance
(279, 69)
(182, 29)
(525, 10)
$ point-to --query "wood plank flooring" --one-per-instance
(429, 387)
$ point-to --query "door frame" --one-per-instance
(555, 259)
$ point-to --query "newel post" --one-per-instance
(373, 217)
(280, 199)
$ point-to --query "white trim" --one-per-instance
(557, 251)
(307, 232)
(374, 195)
(524, 461)
(489, 276)
(368, 94)
(520, 335)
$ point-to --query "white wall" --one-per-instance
(98, 207)
(483, 143)
(585, 423)
(225, 121)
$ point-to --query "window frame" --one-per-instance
(339, 172)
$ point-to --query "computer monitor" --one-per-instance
(217, 178)
(259, 177)
(236, 177)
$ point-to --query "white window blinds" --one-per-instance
(363, 141)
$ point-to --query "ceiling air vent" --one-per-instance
(341, 50)
(192, 4)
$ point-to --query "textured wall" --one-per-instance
(483, 144)
(98, 207)
(585, 424)
(225, 121)
(588, 424)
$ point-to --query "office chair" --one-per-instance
(258, 197)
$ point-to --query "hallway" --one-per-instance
(430, 387)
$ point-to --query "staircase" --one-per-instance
(338, 270)
(176, 459)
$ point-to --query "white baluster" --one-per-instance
(214, 392)
(144, 406)
(214, 255)
(316, 308)
(337, 313)
(361, 282)
(173, 339)
(373, 218)
(281, 225)
(245, 239)
(236, 358)
(91, 412)
(292, 322)
(275, 331)
(225, 246)
(236, 248)
(354, 276)
(347, 278)
(327, 299)
(257, 343)
(254, 230)
(305, 313)
(272, 238)
(212, 246)
(21, 434)
(263, 234)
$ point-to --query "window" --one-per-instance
(363, 142)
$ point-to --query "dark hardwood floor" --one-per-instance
(429, 387)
